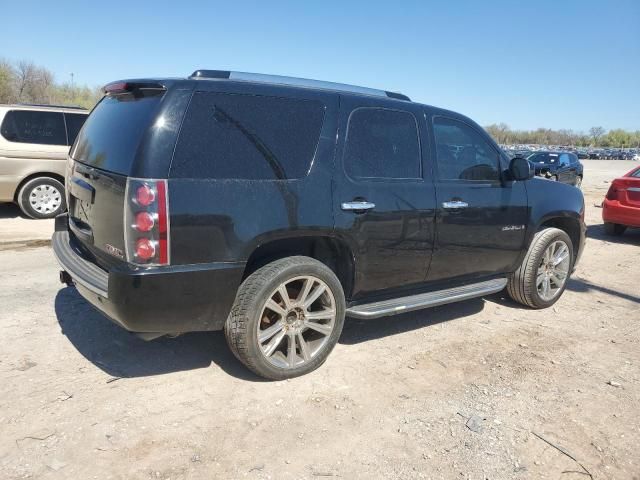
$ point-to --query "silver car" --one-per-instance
(34, 143)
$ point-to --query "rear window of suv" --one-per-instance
(111, 135)
(247, 137)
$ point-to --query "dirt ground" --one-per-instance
(467, 391)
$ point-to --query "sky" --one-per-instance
(555, 64)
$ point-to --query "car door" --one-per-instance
(480, 218)
(384, 201)
(574, 165)
(565, 174)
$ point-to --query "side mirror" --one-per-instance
(520, 169)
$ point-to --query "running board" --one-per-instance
(425, 300)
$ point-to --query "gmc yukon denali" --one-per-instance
(272, 207)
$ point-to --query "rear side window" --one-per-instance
(74, 124)
(113, 132)
(250, 137)
(25, 126)
(565, 159)
(636, 174)
(382, 143)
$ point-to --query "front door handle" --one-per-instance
(454, 205)
(358, 205)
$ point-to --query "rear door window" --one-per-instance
(382, 143)
(113, 132)
(247, 137)
(74, 124)
(27, 126)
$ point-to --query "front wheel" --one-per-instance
(287, 318)
(543, 274)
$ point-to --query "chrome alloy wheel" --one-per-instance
(45, 199)
(296, 322)
(553, 270)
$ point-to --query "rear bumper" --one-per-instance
(173, 299)
(614, 212)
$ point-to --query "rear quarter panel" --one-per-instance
(224, 220)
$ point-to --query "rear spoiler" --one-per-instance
(130, 86)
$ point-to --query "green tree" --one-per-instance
(6, 82)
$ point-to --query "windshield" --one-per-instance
(546, 158)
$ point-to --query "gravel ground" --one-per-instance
(480, 389)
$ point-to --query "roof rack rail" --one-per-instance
(293, 81)
(74, 107)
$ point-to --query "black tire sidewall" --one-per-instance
(27, 188)
(306, 267)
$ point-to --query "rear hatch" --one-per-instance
(102, 158)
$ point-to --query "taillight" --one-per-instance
(614, 189)
(146, 222)
(145, 195)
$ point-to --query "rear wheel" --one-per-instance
(287, 318)
(614, 228)
(543, 274)
(42, 197)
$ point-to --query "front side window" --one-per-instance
(247, 137)
(462, 153)
(382, 143)
(26, 126)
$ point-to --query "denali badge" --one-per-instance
(116, 252)
(508, 228)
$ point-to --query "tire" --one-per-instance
(42, 197)
(614, 228)
(250, 315)
(523, 285)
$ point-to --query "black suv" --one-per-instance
(273, 207)
(562, 167)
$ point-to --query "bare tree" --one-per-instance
(24, 76)
(596, 133)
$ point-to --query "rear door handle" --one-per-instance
(454, 205)
(357, 206)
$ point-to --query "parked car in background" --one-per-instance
(271, 207)
(563, 167)
(34, 144)
(621, 206)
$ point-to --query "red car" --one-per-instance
(621, 206)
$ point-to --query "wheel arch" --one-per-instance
(568, 224)
(329, 250)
